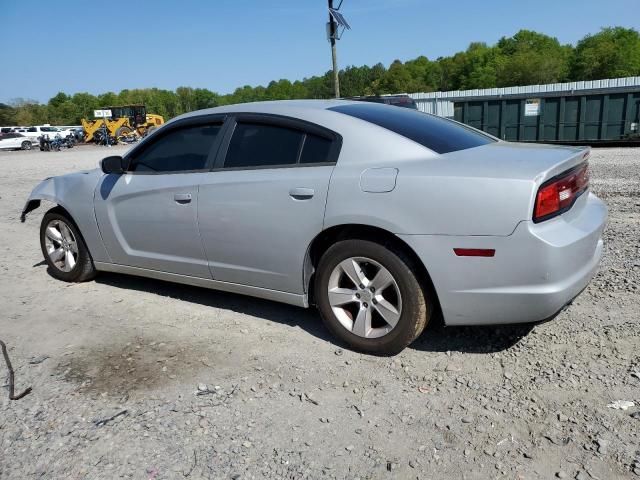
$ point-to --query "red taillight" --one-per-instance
(558, 195)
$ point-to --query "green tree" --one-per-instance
(613, 52)
(85, 105)
(530, 58)
(108, 99)
(7, 115)
(397, 79)
(204, 98)
(58, 99)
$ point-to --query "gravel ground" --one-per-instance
(135, 378)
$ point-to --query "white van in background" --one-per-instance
(37, 131)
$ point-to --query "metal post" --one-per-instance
(106, 130)
(334, 57)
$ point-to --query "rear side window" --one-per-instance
(315, 150)
(181, 150)
(259, 145)
(435, 133)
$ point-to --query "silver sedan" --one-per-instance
(380, 216)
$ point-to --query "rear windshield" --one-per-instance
(436, 133)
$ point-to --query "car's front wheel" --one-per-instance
(64, 249)
(370, 297)
(26, 145)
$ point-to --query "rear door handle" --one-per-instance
(182, 197)
(301, 193)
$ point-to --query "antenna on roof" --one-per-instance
(336, 26)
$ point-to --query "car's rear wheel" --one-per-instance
(370, 297)
(26, 145)
(64, 249)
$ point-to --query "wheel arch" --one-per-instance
(353, 231)
(61, 210)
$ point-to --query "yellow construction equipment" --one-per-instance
(126, 120)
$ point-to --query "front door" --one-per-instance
(148, 216)
(264, 203)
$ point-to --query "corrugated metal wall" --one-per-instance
(599, 110)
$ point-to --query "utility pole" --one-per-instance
(334, 56)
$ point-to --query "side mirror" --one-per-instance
(112, 164)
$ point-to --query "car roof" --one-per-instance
(276, 107)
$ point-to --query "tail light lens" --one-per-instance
(559, 194)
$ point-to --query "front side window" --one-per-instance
(184, 149)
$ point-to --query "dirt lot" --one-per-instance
(135, 378)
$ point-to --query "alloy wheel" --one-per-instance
(61, 245)
(364, 297)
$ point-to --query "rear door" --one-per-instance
(264, 202)
(148, 216)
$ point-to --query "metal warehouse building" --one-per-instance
(576, 112)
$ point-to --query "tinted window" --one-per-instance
(180, 150)
(316, 149)
(32, 129)
(436, 133)
(257, 145)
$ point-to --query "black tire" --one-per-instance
(123, 131)
(150, 130)
(84, 269)
(26, 145)
(416, 309)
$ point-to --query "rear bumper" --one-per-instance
(535, 272)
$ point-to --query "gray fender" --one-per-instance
(74, 193)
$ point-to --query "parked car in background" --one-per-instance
(14, 141)
(380, 216)
(397, 100)
(67, 130)
(35, 132)
(12, 129)
(78, 133)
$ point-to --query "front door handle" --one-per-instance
(182, 198)
(301, 193)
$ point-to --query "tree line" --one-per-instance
(526, 58)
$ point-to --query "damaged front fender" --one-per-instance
(42, 192)
(74, 193)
